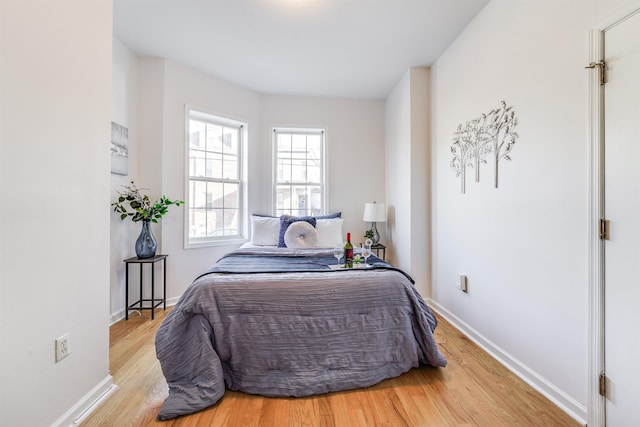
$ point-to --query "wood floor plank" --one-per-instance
(473, 390)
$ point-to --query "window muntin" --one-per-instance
(214, 178)
(299, 187)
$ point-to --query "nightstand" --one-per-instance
(154, 302)
(377, 248)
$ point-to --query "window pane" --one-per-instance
(214, 138)
(300, 197)
(198, 194)
(283, 197)
(229, 166)
(216, 165)
(299, 143)
(316, 200)
(284, 168)
(196, 163)
(215, 189)
(299, 172)
(313, 173)
(230, 222)
(214, 225)
(197, 221)
(314, 146)
(196, 134)
(284, 143)
(231, 196)
(230, 140)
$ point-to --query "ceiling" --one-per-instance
(327, 48)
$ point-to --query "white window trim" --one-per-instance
(302, 129)
(203, 113)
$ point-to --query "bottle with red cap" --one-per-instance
(348, 252)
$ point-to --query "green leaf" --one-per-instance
(140, 205)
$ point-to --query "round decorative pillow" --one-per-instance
(301, 234)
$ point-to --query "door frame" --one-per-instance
(596, 416)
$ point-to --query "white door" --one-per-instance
(622, 208)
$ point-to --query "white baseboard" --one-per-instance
(85, 406)
(565, 402)
(119, 315)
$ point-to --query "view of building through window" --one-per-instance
(299, 179)
(214, 202)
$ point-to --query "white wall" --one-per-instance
(55, 108)
(184, 86)
(355, 151)
(398, 171)
(407, 139)
(420, 184)
(125, 113)
(135, 79)
(524, 246)
(157, 91)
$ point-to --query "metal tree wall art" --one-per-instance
(491, 135)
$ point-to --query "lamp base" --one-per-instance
(376, 235)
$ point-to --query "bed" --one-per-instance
(289, 322)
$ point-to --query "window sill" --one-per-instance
(215, 243)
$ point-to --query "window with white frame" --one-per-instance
(299, 178)
(214, 184)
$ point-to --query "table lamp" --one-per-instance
(374, 212)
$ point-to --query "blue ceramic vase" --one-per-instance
(146, 244)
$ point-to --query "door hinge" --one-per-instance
(602, 67)
(604, 229)
(602, 385)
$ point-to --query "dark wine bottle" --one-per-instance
(348, 252)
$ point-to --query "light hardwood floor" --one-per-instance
(473, 390)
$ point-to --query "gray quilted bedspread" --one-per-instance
(291, 334)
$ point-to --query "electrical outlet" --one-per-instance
(62, 347)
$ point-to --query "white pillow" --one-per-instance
(265, 230)
(301, 234)
(329, 232)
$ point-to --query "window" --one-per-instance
(299, 178)
(214, 185)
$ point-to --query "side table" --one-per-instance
(155, 302)
(377, 248)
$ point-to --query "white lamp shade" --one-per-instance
(374, 212)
